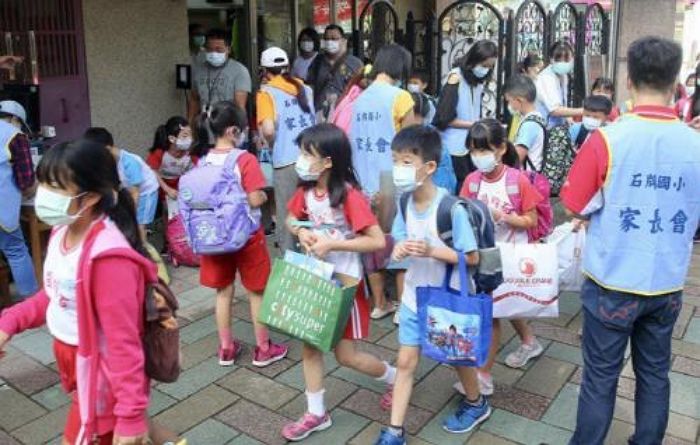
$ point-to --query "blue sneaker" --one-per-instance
(467, 417)
(386, 437)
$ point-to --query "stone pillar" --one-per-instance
(639, 18)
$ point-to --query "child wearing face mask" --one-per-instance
(227, 123)
(416, 153)
(496, 160)
(604, 86)
(340, 226)
(169, 156)
(596, 110)
(92, 301)
(135, 176)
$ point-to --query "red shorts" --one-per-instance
(65, 360)
(358, 322)
(252, 261)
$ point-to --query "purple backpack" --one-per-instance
(214, 207)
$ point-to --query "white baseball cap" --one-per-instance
(10, 107)
(274, 57)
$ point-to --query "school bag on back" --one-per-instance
(557, 154)
(545, 214)
(489, 274)
(214, 207)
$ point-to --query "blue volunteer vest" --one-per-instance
(641, 240)
(10, 195)
(468, 109)
(291, 120)
(371, 133)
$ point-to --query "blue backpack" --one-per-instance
(489, 273)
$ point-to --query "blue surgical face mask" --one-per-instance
(405, 178)
(480, 71)
(303, 169)
(562, 68)
(216, 59)
(485, 163)
(199, 41)
(52, 207)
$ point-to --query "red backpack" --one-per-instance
(545, 214)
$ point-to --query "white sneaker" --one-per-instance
(378, 313)
(485, 384)
(525, 353)
(397, 318)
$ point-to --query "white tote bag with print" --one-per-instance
(530, 286)
(570, 246)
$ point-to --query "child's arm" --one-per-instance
(29, 314)
(171, 192)
(257, 199)
(306, 237)
(134, 192)
(370, 240)
(527, 220)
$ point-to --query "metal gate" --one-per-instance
(50, 37)
(462, 24)
(530, 31)
(379, 25)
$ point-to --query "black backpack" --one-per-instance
(489, 273)
(557, 154)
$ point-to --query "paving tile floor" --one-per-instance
(242, 404)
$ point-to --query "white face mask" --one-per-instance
(183, 144)
(240, 139)
(591, 123)
(332, 46)
(485, 163)
(413, 88)
(303, 169)
(405, 178)
(216, 59)
(512, 110)
(52, 207)
(480, 71)
(690, 90)
(306, 46)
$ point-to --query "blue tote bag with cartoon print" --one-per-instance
(455, 325)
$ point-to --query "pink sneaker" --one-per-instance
(227, 357)
(274, 353)
(387, 398)
(308, 424)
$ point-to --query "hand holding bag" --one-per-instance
(455, 325)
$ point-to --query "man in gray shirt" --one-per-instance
(218, 77)
(331, 71)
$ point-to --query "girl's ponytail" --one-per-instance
(160, 140)
(511, 158)
(123, 213)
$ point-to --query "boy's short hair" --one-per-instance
(420, 140)
(522, 86)
(598, 104)
(420, 75)
(654, 62)
(100, 136)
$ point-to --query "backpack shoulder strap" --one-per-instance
(545, 141)
(513, 187)
(231, 163)
(474, 183)
(403, 204)
(582, 135)
(444, 217)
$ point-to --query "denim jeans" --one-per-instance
(611, 319)
(15, 250)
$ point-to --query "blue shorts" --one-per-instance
(409, 329)
(146, 211)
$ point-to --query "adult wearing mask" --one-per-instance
(219, 78)
(16, 180)
(553, 86)
(378, 113)
(198, 38)
(638, 246)
(284, 110)
(309, 44)
(460, 103)
(330, 73)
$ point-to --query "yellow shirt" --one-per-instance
(265, 104)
